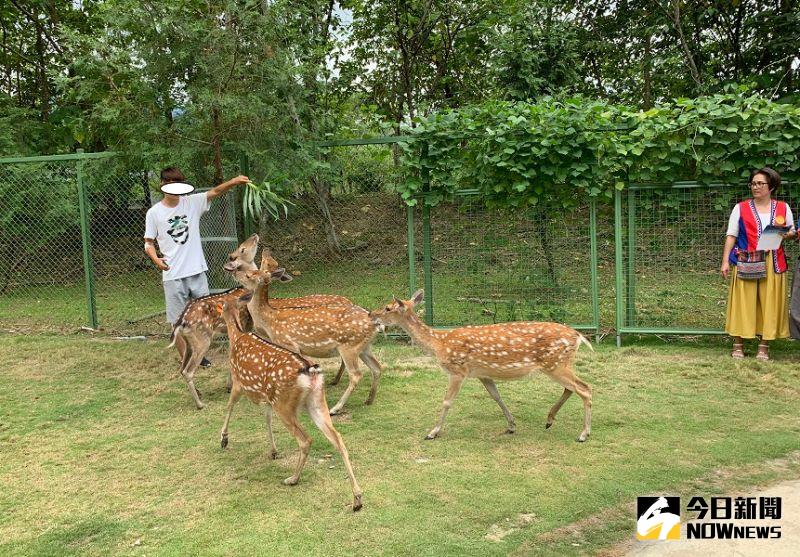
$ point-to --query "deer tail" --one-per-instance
(174, 335)
(582, 340)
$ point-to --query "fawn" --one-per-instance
(319, 332)
(194, 330)
(503, 351)
(285, 382)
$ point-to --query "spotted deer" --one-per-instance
(503, 351)
(317, 332)
(195, 328)
(285, 382)
(268, 263)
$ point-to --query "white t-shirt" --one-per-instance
(177, 231)
(733, 221)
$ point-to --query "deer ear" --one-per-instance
(277, 273)
(401, 305)
(246, 297)
(285, 277)
(418, 296)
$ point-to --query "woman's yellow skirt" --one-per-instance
(758, 308)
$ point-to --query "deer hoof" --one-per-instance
(290, 481)
(200, 405)
(356, 503)
(273, 455)
(369, 402)
(511, 431)
(581, 438)
(335, 411)
(430, 437)
(548, 425)
(223, 442)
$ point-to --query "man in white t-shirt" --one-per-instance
(175, 223)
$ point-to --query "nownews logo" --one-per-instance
(658, 518)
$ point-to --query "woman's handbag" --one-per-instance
(751, 265)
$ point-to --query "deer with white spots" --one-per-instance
(268, 263)
(194, 330)
(504, 351)
(285, 382)
(318, 332)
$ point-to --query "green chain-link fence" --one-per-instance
(669, 242)
(66, 218)
(73, 252)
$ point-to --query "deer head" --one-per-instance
(245, 253)
(230, 312)
(397, 311)
(252, 279)
(268, 262)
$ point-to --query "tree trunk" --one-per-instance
(647, 92)
(218, 174)
(676, 19)
(148, 200)
(539, 217)
(322, 196)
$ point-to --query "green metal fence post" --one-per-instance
(630, 284)
(426, 239)
(412, 279)
(593, 264)
(618, 263)
(86, 240)
(248, 227)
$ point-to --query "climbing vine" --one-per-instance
(516, 154)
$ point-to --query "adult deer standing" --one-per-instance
(319, 332)
(285, 382)
(195, 328)
(268, 263)
(503, 351)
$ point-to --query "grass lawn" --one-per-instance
(103, 453)
(693, 300)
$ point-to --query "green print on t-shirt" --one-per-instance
(179, 229)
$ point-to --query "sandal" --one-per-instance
(738, 351)
(763, 352)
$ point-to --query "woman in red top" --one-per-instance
(757, 296)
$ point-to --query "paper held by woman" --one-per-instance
(771, 237)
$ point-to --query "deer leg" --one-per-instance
(229, 382)
(288, 416)
(338, 375)
(375, 368)
(196, 348)
(273, 453)
(318, 410)
(236, 393)
(351, 360)
(566, 377)
(551, 416)
(452, 390)
(492, 388)
(180, 346)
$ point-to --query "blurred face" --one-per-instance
(759, 186)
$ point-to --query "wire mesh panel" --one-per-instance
(128, 287)
(491, 266)
(41, 265)
(672, 248)
(346, 230)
